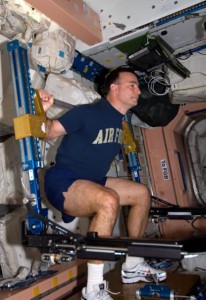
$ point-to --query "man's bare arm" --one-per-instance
(54, 128)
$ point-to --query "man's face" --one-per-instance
(128, 90)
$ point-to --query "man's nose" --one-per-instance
(138, 91)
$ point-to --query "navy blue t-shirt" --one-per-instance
(93, 139)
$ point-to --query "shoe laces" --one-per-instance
(147, 267)
(151, 276)
(104, 291)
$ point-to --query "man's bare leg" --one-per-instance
(85, 198)
(137, 196)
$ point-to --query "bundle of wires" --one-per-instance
(158, 83)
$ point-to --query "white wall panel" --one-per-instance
(118, 16)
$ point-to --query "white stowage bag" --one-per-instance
(69, 90)
(53, 51)
(13, 255)
(3, 13)
(11, 23)
(18, 21)
(193, 88)
(194, 263)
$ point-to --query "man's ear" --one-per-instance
(113, 87)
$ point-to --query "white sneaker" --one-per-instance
(100, 292)
(142, 272)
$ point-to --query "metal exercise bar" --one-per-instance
(130, 149)
(29, 146)
(65, 245)
(177, 213)
(112, 248)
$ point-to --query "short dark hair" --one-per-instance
(113, 75)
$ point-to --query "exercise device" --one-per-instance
(129, 148)
(29, 128)
(63, 245)
(174, 212)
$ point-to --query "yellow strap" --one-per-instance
(129, 144)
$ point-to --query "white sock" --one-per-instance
(95, 275)
(132, 261)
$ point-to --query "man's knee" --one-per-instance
(144, 195)
(147, 193)
(109, 202)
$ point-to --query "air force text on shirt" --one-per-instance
(109, 135)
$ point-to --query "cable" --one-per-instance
(184, 56)
(195, 227)
(201, 53)
(158, 77)
(204, 74)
